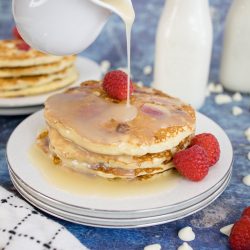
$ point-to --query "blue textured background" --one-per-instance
(111, 45)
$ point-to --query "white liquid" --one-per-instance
(124, 9)
(183, 50)
(81, 184)
(234, 73)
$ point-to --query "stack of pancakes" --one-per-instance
(25, 72)
(87, 133)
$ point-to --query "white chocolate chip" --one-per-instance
(247, 134)
(237, 97)
(186, 234)
(237, 111)
(147, 70)
(185, 246)
(105, 66)
(153, 247)
(227, 229)
(215, 88)
(211, 86)
(246, 180)
(248, 156)
(223, 99)
(218, 88)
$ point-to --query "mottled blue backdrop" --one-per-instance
(111, 45)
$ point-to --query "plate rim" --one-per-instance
(118, 211)
(139, 225)
(224, 183)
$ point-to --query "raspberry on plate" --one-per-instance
(246, 212)
(239, 238)
(210, 145)
(16, 34)
(192, 163)
(115, 84)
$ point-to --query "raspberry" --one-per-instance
(192, 163)
(16, 34)
(115, 84)
(23, 46)
(239, 238)
(246, 212)
(210, 144)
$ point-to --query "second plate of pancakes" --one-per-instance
(181, 198)
(86, 69)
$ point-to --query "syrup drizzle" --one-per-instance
(125, 10)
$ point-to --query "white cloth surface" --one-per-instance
(22, 227)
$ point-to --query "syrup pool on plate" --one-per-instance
(82, 184)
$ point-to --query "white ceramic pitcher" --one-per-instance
(60, 27)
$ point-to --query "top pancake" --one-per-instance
(88, 117)
(12, 56)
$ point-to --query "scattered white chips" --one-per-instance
(237, 97)
(223, 99)
(105, 66)
(237, 111)
(186, 234)
(215, 88)
(153, 247)
(247, 134)
(227, 229)
(147, 70)
(185, 246)
(246, 180)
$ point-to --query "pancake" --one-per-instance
(67, 150)
(7, 84)
(49, 86)
(64, 153)
(85, 117)
(42, 69)
(12, 56)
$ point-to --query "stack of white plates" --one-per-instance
(184, 199)
(87, 69)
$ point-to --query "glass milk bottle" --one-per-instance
(183, 50)
(235, 61)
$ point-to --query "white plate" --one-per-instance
(20, 110)
(184, 191)
(88, 70)
(118, 215)
(113, 216)
(120, 223)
